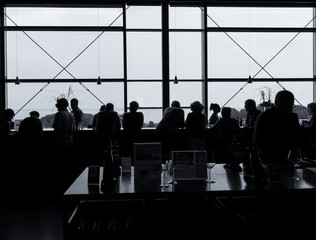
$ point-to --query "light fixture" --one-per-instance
(99, 81)
(249, 79)
(17, 81)
(175, 81)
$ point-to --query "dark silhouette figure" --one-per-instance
(5, 128)
(308, 133)
(94, 121)
(63, 158)
(31, 129)
(227, 132)
(276, 134)
(195, 125)
(247, 132)
(63, 125)
(167, 130)
(108, 127)
(77, 112)
(30, 170)
(214, 117)
(132, 125)
(252, 113)
(6, 145)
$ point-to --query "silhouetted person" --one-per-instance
(63, 125)
(6, 139)
(132, 125)
(108, 127)
(227, 132)
(64, 158)
(30, 168)
(308, 133)
(252, 113)
(195, 127)
(31, 129)
(167, 130)
(94, 121)
(214, 116)
(5, 127)
(77, 112)
(247, 131)
(276, 133)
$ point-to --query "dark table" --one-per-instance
(228, 197)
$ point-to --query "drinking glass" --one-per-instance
(164, 168)
(209, 166)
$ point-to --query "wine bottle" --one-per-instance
(108, 170)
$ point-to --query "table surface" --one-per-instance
(226, 183)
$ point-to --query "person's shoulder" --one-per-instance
(257, 111)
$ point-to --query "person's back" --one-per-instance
(227, 127)
(173, 118)
(167, 130)
(95, 117)
(77, 112)
(132, 124)
(64, 123)
(214, 116)
(276, 130)
(195, 126)
(133, 120)
(31, 129)
(227, 132)
(108, 126)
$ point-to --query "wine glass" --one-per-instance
(209, 166)
(164, 168)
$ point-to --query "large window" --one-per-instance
(63, 51)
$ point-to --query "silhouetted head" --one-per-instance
(226, 112)
(8, 114)
(74, 103)
(175, 103)
(311, 107)
(34, 114)
(215, 107)
(62, 104)
(250, 105)
(284, 101)
(102, 108)
(196, 106)
(133, 106)
(109, 107)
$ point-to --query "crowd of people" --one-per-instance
(269, 135)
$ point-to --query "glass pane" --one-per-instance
(143, 17)
(151, 117)
(186, 92)
(259, 17)
(144, 56)
(64, 16)
(234, 94)
(185, 55)
(185, 18)
(27, 60)
(286, 57)
(147, 94)
(89, 101)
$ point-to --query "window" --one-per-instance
(62, 51)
